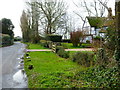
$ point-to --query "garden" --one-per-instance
(77, 70)
(58, 68)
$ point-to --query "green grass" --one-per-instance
(70, 46)
(51, 71)
(35, 46)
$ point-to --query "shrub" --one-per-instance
(59, 48)
(61, 52)
(98, 38)
(6, 40)
(17, 38)
(65, 45)
(102, 57)
(54, 38)
(88, 41)
(101, 77)
(49, 44)
(83, 58)
(76, 38)
(66, 40)
(43, 43)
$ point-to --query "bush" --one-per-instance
(101, 77)
(76, 38)
(102, 57)
(43, 43)
(98, 38)
(88, 41)
(54, 38)
(17, 38)
(83, 58)
(49, 44)
(59, 48)
(61, 52)
(6, 40)
(66, 40)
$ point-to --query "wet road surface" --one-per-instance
(13, 76)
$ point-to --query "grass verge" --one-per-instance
(70, 46)
(35, 46)
(51, 71)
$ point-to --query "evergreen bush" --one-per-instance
(83, 58)
(102, 58)
(6, 40)
(54, 38)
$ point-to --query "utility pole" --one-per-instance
(117, 51)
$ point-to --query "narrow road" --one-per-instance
(10, 62)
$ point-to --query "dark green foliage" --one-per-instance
(17, 38)
(102, 58)
(117, 51)
(7, 27)
(101, 77)
(110, 40)
(6, 40)
(88, 41)
(61, 52)
(66, 40)
(97, 38)
(83, 58)
(54, 38)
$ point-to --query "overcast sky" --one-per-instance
(12, 9)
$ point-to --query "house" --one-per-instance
(98, 26)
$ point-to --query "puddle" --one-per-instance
(20, 79)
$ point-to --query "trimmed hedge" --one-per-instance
(54, 38)
(5, 40)
(66, 40)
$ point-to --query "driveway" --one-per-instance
(10, 61)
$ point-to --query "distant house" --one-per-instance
(98, 26)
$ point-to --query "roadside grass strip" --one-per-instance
(51, 71)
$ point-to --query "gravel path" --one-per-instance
(82, 49)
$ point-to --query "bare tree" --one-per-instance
(34, 15)
(52, 15)
(108, 9)
(93, 9)
(25, 27)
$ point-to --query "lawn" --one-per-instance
(70, 45)
(35, 46)
(51, 71)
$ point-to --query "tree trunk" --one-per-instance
(117, 51)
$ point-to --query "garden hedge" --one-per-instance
(5, 40)
(54, 38)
